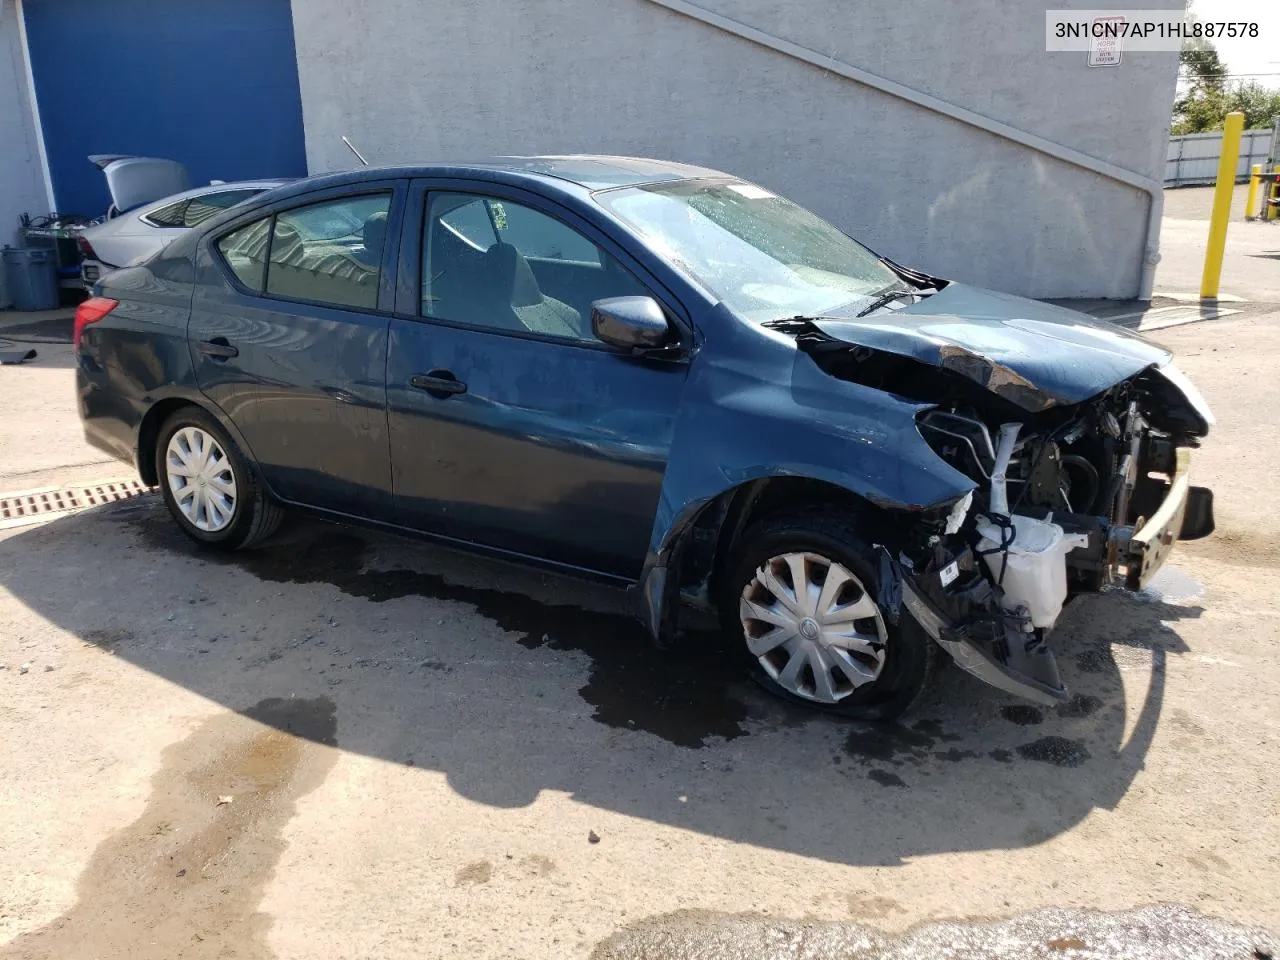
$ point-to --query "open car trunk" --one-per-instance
(133, 181)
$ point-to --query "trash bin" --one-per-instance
(32, 278)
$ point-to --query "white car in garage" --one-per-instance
(150, 208)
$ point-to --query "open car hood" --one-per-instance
(133, 181)
(1033, 354)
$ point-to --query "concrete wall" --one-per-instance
(414, 82)
(21, 178)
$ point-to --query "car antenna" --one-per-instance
(352, 147)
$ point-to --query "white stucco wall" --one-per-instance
(414, 82)
(21, 178)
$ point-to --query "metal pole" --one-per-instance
(1255, 174)
(1221, 215)
(352, 147)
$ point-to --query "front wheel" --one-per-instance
(802, 604)
(208, 485)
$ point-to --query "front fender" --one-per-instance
(756, 407)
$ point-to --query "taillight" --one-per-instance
(91, 311)
(86, 248)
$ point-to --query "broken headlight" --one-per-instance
(1189, 392)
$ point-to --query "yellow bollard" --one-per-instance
(1255, 174)
(1273, 191)
(1218, 220)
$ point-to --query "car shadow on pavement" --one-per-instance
(511, 682)
(44, 326)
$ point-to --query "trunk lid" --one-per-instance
(133, 181)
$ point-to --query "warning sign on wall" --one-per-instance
(1106, 45)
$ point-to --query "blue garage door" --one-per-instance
(211, 83)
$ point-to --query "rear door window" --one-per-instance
(330, 252)
(245, 251)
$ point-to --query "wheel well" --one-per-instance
(784, 493)
(148, 433)
(714, 534)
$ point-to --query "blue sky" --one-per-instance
(1247, 56)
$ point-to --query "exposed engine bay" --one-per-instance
(1069, 496)
(1104, 466)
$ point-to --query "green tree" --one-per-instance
(1209, 96)
(1201, 68)
(1258, 104)
(1208, 110)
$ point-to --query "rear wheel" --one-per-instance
(208, 485)
(803, 606)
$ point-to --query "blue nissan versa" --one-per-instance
(665, 377)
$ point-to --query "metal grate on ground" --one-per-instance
(32, 506)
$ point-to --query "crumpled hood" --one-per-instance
(1033, 354)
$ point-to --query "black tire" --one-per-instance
(910, 656)
(254, 517)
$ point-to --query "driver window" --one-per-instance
(502, 265)
(470, 221)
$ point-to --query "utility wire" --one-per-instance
(1232, 76)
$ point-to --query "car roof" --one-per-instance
(586, 171)
(598, 171)
(566, 174)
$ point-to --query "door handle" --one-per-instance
(441, 384)
(218, 349)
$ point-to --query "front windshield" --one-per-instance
(762, 255)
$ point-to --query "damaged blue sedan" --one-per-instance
(667, 378)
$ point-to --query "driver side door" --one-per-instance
(512, 427)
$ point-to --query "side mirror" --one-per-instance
(631, 323)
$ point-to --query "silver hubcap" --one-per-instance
(813, 627)
(200, 476)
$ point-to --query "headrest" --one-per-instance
(512, 271)
(375, 234)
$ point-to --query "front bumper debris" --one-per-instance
(1185, 513)
(950, 598)
(984, 662)
(956, 605)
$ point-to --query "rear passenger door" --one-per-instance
(288, 335)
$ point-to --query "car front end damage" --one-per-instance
(1112, 493)
(1070, 494)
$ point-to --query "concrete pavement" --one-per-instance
(1251, 267)
(41, 443)
(351, 745)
